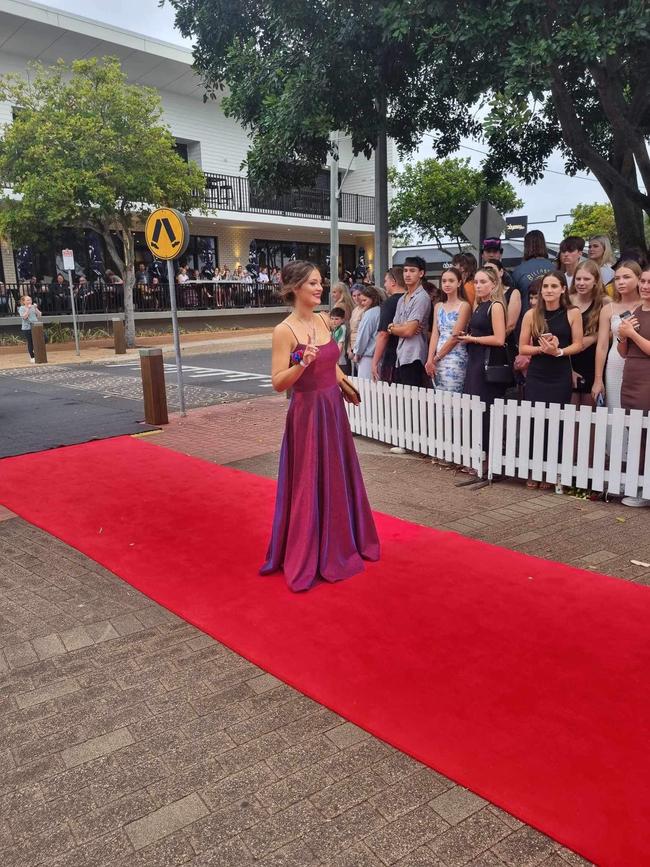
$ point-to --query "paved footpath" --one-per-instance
(130, 738)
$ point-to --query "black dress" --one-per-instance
(480, 325)
(584, 363)
(549, 378)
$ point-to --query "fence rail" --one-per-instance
(235, 193)
(436, 423)
(596, 449)
(101, 298)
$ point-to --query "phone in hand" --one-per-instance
(547, 335)
(627, 314)
(600, 399)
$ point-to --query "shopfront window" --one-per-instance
(275, 254)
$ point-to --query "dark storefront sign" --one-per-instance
(516, 227)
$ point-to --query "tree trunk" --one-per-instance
(126, 267)
(129, 281)
(617, 175)
(629, 220)
(627, 213)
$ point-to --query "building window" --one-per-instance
(181, 149)
(275, 254)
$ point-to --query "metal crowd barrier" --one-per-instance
(100, 297)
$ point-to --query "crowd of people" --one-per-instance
(571, 330)
(206, 288)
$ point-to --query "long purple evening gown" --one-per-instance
(323, 526)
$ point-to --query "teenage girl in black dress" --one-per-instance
(551, 333)
(486, 331)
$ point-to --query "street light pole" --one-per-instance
(381, 194)
(334, 213)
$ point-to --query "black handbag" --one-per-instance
(497, 372)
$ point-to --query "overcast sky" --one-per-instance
(555, 194)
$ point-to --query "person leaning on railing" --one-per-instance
(7, 303)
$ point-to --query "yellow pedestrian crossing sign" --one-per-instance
(167, 233)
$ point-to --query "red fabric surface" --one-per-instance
(522, 679)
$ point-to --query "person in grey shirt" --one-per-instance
(30, 315)
(411, 324)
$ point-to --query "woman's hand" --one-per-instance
(464, 337)
(627, 327)
(549, 346)
(309, 355)
(375, 372)
(430, 367)
(597, 388)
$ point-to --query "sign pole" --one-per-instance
(74, 315)
(177, 340)
(167, 235)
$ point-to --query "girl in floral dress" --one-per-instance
(447, 357)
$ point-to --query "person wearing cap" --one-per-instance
(411, 324)
(492, 251)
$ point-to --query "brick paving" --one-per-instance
(130, 738)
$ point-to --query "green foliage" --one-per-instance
(568, 75)
(530, 77)
(298, 69)
(59, 333)
(88, 150)
(433, 198)
(596, 219)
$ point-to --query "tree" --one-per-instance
(572, 75)
(296, 70)
(433, 199)
(88, 150)
(589, 220)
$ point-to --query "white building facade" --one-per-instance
(293, 224)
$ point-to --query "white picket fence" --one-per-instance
(436, 423)
(596, 449)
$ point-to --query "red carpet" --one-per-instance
(524, 680)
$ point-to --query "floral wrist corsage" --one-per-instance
(297, 356)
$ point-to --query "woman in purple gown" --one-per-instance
(323, 527)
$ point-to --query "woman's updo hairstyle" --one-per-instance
(294, 274)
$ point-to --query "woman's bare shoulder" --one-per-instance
(283, 332)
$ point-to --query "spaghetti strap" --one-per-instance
(324, 321)
(292, 331)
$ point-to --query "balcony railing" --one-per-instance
(233, 193)
(100, 298)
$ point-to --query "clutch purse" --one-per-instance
(350, 393)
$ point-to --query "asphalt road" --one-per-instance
(238, 371)
(36, 414)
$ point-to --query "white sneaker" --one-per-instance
(397, 450)
(635, 502)
(32, 360)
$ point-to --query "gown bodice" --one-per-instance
(321, 373)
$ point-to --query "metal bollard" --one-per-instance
(153, 386)
(38, 339)
(119, 336)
